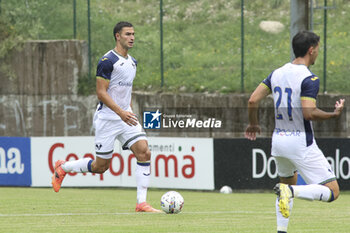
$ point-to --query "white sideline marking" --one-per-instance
(130, 213)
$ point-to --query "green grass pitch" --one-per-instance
(112, 210)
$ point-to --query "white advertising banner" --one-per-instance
(185, 163)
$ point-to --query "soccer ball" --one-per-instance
(226, 189)
(172, 202)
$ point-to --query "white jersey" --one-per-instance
(120, 72)
(290, 84)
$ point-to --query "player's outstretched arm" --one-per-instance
(311, 112)
(102, 94)
(253, 105)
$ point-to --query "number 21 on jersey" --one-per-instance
(288, 94)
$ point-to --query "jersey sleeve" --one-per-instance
(267, 81)
(134, 60)
(310, 87)
(104, 68)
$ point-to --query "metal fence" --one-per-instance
(205, 46)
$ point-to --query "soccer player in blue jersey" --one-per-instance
(294, 89)
(114, 118)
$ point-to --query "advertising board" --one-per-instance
(244, 164)
(185, 163)
(15, 161)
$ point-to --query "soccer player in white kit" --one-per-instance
(114, 118)
(294, 89)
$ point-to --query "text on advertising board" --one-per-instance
(15, 165)
(187, 170)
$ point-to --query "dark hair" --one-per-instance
(302, 41)
(119, 26)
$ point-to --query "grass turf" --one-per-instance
(112, 210)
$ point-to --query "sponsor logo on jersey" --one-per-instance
(129, 84)
(287, 132)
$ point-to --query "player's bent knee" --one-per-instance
(144, 155)
(148, 154)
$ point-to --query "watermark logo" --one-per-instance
(151, 120)
(179, 120)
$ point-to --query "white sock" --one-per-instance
(313, 192)
(80, 165)
(143, 171)
(282, 222)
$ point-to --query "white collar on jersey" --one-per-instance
(127, 56)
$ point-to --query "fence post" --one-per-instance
(325, 48)
(161, 43)
(89, 37)
(74, 19)
(299, 20)
(242, 46)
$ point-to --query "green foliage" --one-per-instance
(202, 39)
(86, 85)
(18, 22)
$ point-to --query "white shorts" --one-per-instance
(311, 165)
(107, 131)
